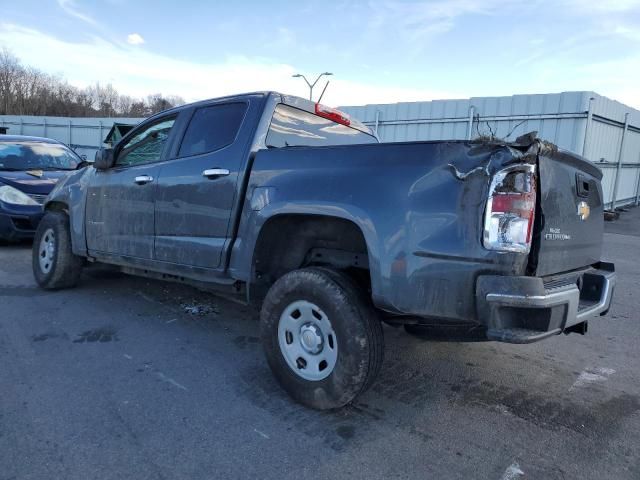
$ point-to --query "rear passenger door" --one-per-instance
(196, 189)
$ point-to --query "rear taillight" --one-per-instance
(332, 114)
(511, 208)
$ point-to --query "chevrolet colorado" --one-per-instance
(299, 209)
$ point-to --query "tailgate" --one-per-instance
(572, 220)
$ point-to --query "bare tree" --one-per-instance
(138, 109)
(124, 104)
(9, 69)
(26, 90)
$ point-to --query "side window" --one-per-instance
(147, 145)
(212, 128)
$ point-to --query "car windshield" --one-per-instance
(34, 155)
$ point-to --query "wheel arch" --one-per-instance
(56, 206)
(76, 222)
(284, 240)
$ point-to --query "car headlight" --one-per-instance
(13, 195)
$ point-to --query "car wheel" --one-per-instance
(54, 264)
(322, 337)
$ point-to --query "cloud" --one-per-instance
(70, 7)
(141, 72)
(135, 39)
(607, 6)
(425, 19)
(418, 23)
(629, 33)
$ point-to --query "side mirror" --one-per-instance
(82, 164)
(104, 159)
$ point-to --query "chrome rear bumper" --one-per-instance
(528, 309)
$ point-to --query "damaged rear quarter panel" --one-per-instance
(420, 207)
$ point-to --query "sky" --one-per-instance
(379, 51)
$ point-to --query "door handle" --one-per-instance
(212, 173)
(142, 179)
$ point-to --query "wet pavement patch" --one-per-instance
(603, 417)
(346, 431)
(46, 336)
(101, 335)
(243, 341)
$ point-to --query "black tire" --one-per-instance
(358, 333)
(64, 268)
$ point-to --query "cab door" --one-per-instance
(120, 204)
(196, 190)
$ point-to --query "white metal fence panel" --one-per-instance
(582, 122)
(84, 135)
(603, 143)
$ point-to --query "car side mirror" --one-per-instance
(104, 159)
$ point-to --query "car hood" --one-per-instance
(38, 182)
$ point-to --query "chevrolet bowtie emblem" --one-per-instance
(583, 211)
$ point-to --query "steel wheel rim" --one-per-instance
(46, 250)
(307, 340)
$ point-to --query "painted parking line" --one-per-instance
(512, 472)
(592, 375)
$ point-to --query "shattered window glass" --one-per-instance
(147, 145)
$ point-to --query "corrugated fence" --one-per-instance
(84, 135)
(604, 131)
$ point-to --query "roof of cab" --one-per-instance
(292, 100)
(207, 100)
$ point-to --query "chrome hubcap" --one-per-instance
(46, 250)
(311, 338)
(307, 340)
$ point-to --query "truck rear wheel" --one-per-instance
(54, 264)
(322, 337)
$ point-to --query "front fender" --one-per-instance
(70, 193)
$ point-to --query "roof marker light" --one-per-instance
(332, 114)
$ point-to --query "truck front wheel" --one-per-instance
(322, 337)
(54, 264)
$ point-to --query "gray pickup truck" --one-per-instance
(298, 208)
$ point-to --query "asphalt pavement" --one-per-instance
(123, 377)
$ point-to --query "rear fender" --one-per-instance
(243, 255)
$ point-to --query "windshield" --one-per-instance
(33, 155)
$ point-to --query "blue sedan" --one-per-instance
(29, 169)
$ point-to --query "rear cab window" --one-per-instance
(212, 128)
(293, 127)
